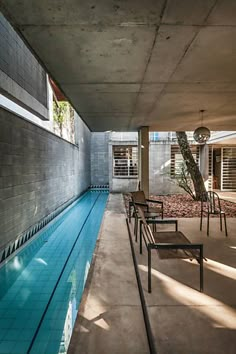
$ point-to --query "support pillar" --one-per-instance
(143, 147)
(204, 163)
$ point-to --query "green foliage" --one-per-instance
(184, 180)
(191, 167)
(59, 112)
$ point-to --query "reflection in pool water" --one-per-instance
(41, 287)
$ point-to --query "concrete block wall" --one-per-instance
(99, 159)
(159, 164)
(82, 157)
(22, 78)
(160, 181)
(123, 185)
(38, 172)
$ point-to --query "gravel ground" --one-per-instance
(182, 206)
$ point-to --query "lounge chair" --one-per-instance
(139, 197)
(149, 215)
(168, 244)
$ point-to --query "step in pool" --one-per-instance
(41, 286)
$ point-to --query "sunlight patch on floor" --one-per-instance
(224, 318)
(217, 267)
(95, 309)
(103, 324)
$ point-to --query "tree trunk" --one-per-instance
(191, 165)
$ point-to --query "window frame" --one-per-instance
(130, 155)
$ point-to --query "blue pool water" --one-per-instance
(41, 287)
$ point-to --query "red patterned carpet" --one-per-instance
(182, 206)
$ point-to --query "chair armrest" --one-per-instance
(142, 205)
(162, 221)
(154, 201)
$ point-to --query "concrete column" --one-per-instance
(143, 144)
(139, 158)
(204, 163)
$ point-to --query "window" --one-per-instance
(125, 161)
(154, 136)
(228, 168)
(177, 158)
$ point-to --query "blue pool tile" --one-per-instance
(6, 346)
(26, 334)
(52, 347)
(11, 297)
(43, 297)
(40, 305)
(6, 323)
(12, 334)
(56, 335)
(24, 315)
(30, 287)
(3, 333)
(32, 323)
(43, 335)
(4, 304)
(39, 348)
(20, 347)
(17, 324)
(8, 314)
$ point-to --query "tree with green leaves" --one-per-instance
(59, 114)
(191, 170)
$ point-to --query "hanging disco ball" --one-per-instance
(201, 135)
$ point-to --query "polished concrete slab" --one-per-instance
(183, 320)
(230, 196)
(110, 319)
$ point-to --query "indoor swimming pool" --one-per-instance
(41, 286)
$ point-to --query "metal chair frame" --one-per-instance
(139, 197)
(147, 235)
(211, 201)
(147, 215)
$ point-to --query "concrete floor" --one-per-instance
(110, 319)
(183, 320)
(230, 196)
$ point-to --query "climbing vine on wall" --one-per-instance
(59, 114)
(63, 116)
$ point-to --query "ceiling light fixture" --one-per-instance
(202, 134)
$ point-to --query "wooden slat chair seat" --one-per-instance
(176, 238)
(168, 245)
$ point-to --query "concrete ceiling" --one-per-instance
(130, 63)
